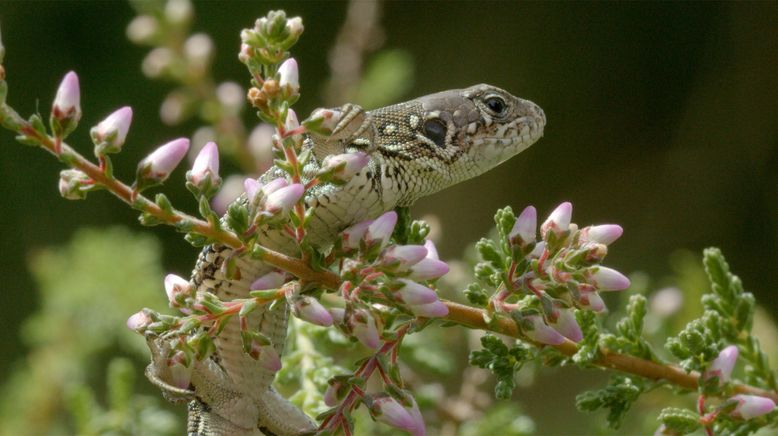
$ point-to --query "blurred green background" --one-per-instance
(661, 117)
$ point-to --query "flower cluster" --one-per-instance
(540, 281)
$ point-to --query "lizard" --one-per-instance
(416, 148)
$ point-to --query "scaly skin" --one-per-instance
(416, 148)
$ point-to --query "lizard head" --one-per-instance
(455, 135)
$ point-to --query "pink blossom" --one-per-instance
(324, 120)
(593, 301)
(751, 406)
(271, 280)
(109, 134)
(723, 365)
(266, 355)
(67, 102)
(526, 226)
(289, 77)
(608, 279)
(428, 269)
(177, 289)
(355, 233)
(274, 185)
(309, 309)
(284, 199)
(602, 234)
(541, 332)
(252, 187)
(389, 411)
(412, 293)
(559, 220)
(139, 321)
(381, 229)
(158, 165)
(365, 329)
(345, 166)
(432, 251)
(404, 255)
(180, 372)
(206, 166)
(294, 26)
(291, 122)
(567, 325)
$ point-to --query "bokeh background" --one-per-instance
(661, 117)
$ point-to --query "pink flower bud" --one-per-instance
(608, 279)
(432, 251)
(284, 199)
(525, 227)
(73, 184)
(723, 365)
(266, 355)
(139, 321)
(428, 269)
(413, 293)
(344, 166)
(567, 325)
(252, 187)
(271, 280)
(365, 329)
(355, 233)
(541, 332)
(109, 135)
(436, 309)
(324, 121)
(205, 170)
(158, 165)
(291, 122)
(274, 185)
(289, 77)
(331, 395)
(540, 247)
(67, 103)
(751, 406)
(602, 234)
(180, 373)
(177, 289)
(389, 411)
(381, 229)
(403, 255)
(593, 301)
(559, 220)
(338, 314)
(309, 309)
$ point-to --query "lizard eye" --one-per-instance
(435, 130)
(495, 104)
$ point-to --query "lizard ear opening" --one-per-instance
(435, 129)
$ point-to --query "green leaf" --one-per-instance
(476, 295)
(681, 421)
(617, 397)
(489, 252)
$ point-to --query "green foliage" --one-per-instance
(126, 413)
(502, 361)
(735, 307)
(85, 301)
(680, 421)
(504, 419)
(617, 397)
(629, 339)
(588, 348)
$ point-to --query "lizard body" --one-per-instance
(416, 148)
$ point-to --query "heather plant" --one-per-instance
(536, 287)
